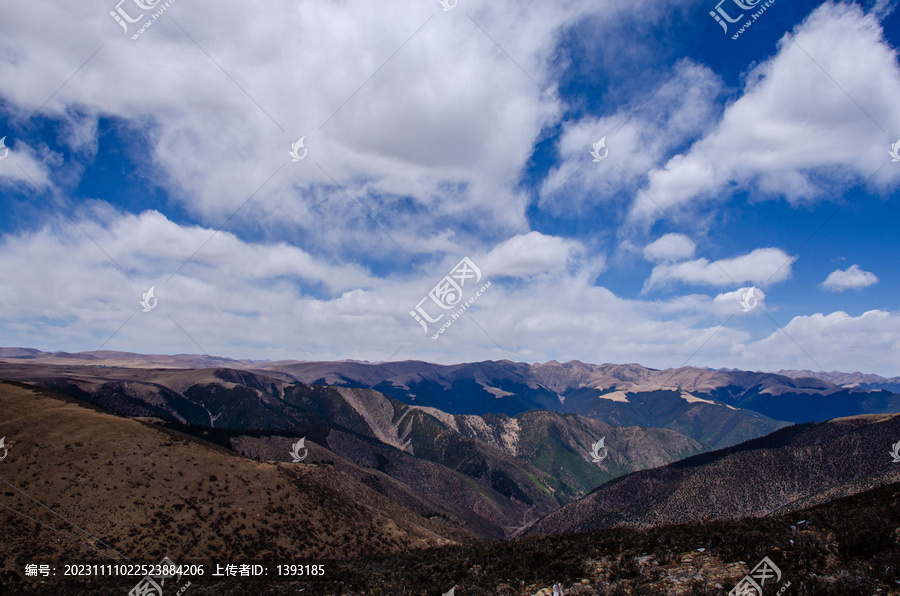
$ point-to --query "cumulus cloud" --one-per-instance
(421, 162)
(684, 107)
(400, 105)
(836, 341)
(670, 247)
(852, 278)
(747, 300)
(761, 266)
(24, 165)
(795, 132)
(259, 300)
(532, 254)
(263, 300)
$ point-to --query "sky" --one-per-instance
(667, 182)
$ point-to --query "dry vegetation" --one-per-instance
(850, 548)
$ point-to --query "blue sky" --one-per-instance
(160, 158)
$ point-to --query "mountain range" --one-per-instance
(854, 379)
(716, 408)
(488, 447)
(488, 475)
(822, 500)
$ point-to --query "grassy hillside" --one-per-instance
(794, 467)
(143, 492)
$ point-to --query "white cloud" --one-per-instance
(446, 123)
(747, 300)
(762, 266)
(432, 148)
(532, 254)
(683, 108)
(670, 247)
(796, 132)
(837, 341)
(852, 278)
(26, 165)
(64, 266)
(258, 300)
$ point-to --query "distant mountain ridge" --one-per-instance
(715, 407)
(854, 379)
(638, 372)
(132, 359)
(719, 408)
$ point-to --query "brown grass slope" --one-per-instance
(847, 547)
(795, 467)
(147, 493)
(459, 479)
